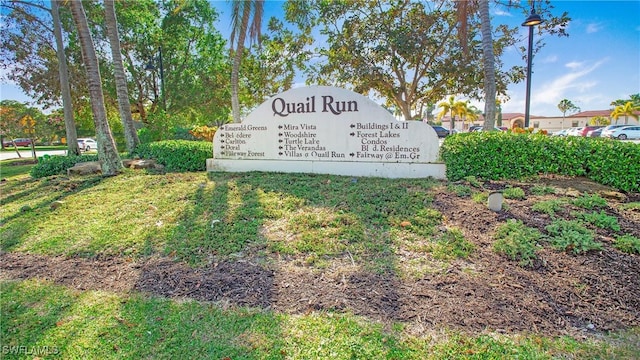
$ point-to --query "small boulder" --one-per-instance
(85, 168)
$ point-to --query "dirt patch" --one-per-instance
(561, 294)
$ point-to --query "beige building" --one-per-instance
(551, 124)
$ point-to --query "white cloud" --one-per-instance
(550, 59)
(593, 28)
(556, 89)
(499, 12)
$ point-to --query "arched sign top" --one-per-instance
(317, 103)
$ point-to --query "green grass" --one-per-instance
(373, 223)
(517, 241)
(15, 168)
(57, 322)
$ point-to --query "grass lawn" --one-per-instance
(256, 218)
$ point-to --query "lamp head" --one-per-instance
(150, 66)
(533, 19)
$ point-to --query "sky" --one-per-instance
(598, 62)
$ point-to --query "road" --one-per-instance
(26, 154)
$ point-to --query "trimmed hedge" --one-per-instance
(177, 155)
(55, 165)
(504, 155)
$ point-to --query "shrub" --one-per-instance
(459, 190)
(56, 165)
(572, 236)
(600, 219)
(549, 207)
(513, 193)
(451, 245)
(511, 155)
(542, 190)
(177, 155)
(628, 244)
(517, 241)
(587, 201)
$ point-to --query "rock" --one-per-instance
(56, 204)
(139, 164)
(610, 194)
(495, 201)
(85, 168)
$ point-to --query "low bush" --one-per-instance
(177, 155)
(56, 165)
(517, 241)
(572, 236)
(514, 193)
(503, 155)
(600, 219)
(628, 244)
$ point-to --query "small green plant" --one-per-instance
(628, 244)
(542, 190)
(451, 245)
(549, 207)
(572, 236)
(517, 241)
(480, 197)
(473, 181)
(177, 155)
(589, 202)
(56, 165)
(513, 193)
(459, 190)
(630, 206)
(600, 219)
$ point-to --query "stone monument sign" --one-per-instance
(327, 130)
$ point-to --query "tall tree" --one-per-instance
(111, 21)
(65, 88)
(452, 107)
(242, 13)
(489, 68)
(626, 110)
(565, 106)
(107, 151)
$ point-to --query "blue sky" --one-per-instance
(599, 62)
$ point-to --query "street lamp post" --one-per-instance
(151, 66)
(533, 20)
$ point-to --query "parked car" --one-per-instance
(561, 133)
(595, 133)
(607, 130)
(475, 128)
(626, 132)
(575, 131)
(22, 142)
(86, 144)
(442, 132)
(585, 130)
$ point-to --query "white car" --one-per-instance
(562, 132)
(609, 129)
(626, 132)
(575, 131)
(86, 144)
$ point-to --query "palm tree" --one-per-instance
(626, 110)
(63, 72)
(107, 151)
(453, 108)
(111, 21)
(463, 10)
(566, 105)
(241, 13)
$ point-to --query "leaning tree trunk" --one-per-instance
(130, 135)
(107, 151)
(235, 102)
(67, 105)
(489, 66)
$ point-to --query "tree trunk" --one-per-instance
(489, 66)
(235, 102)
(67, 104)
(107, 151)
(130, 135)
